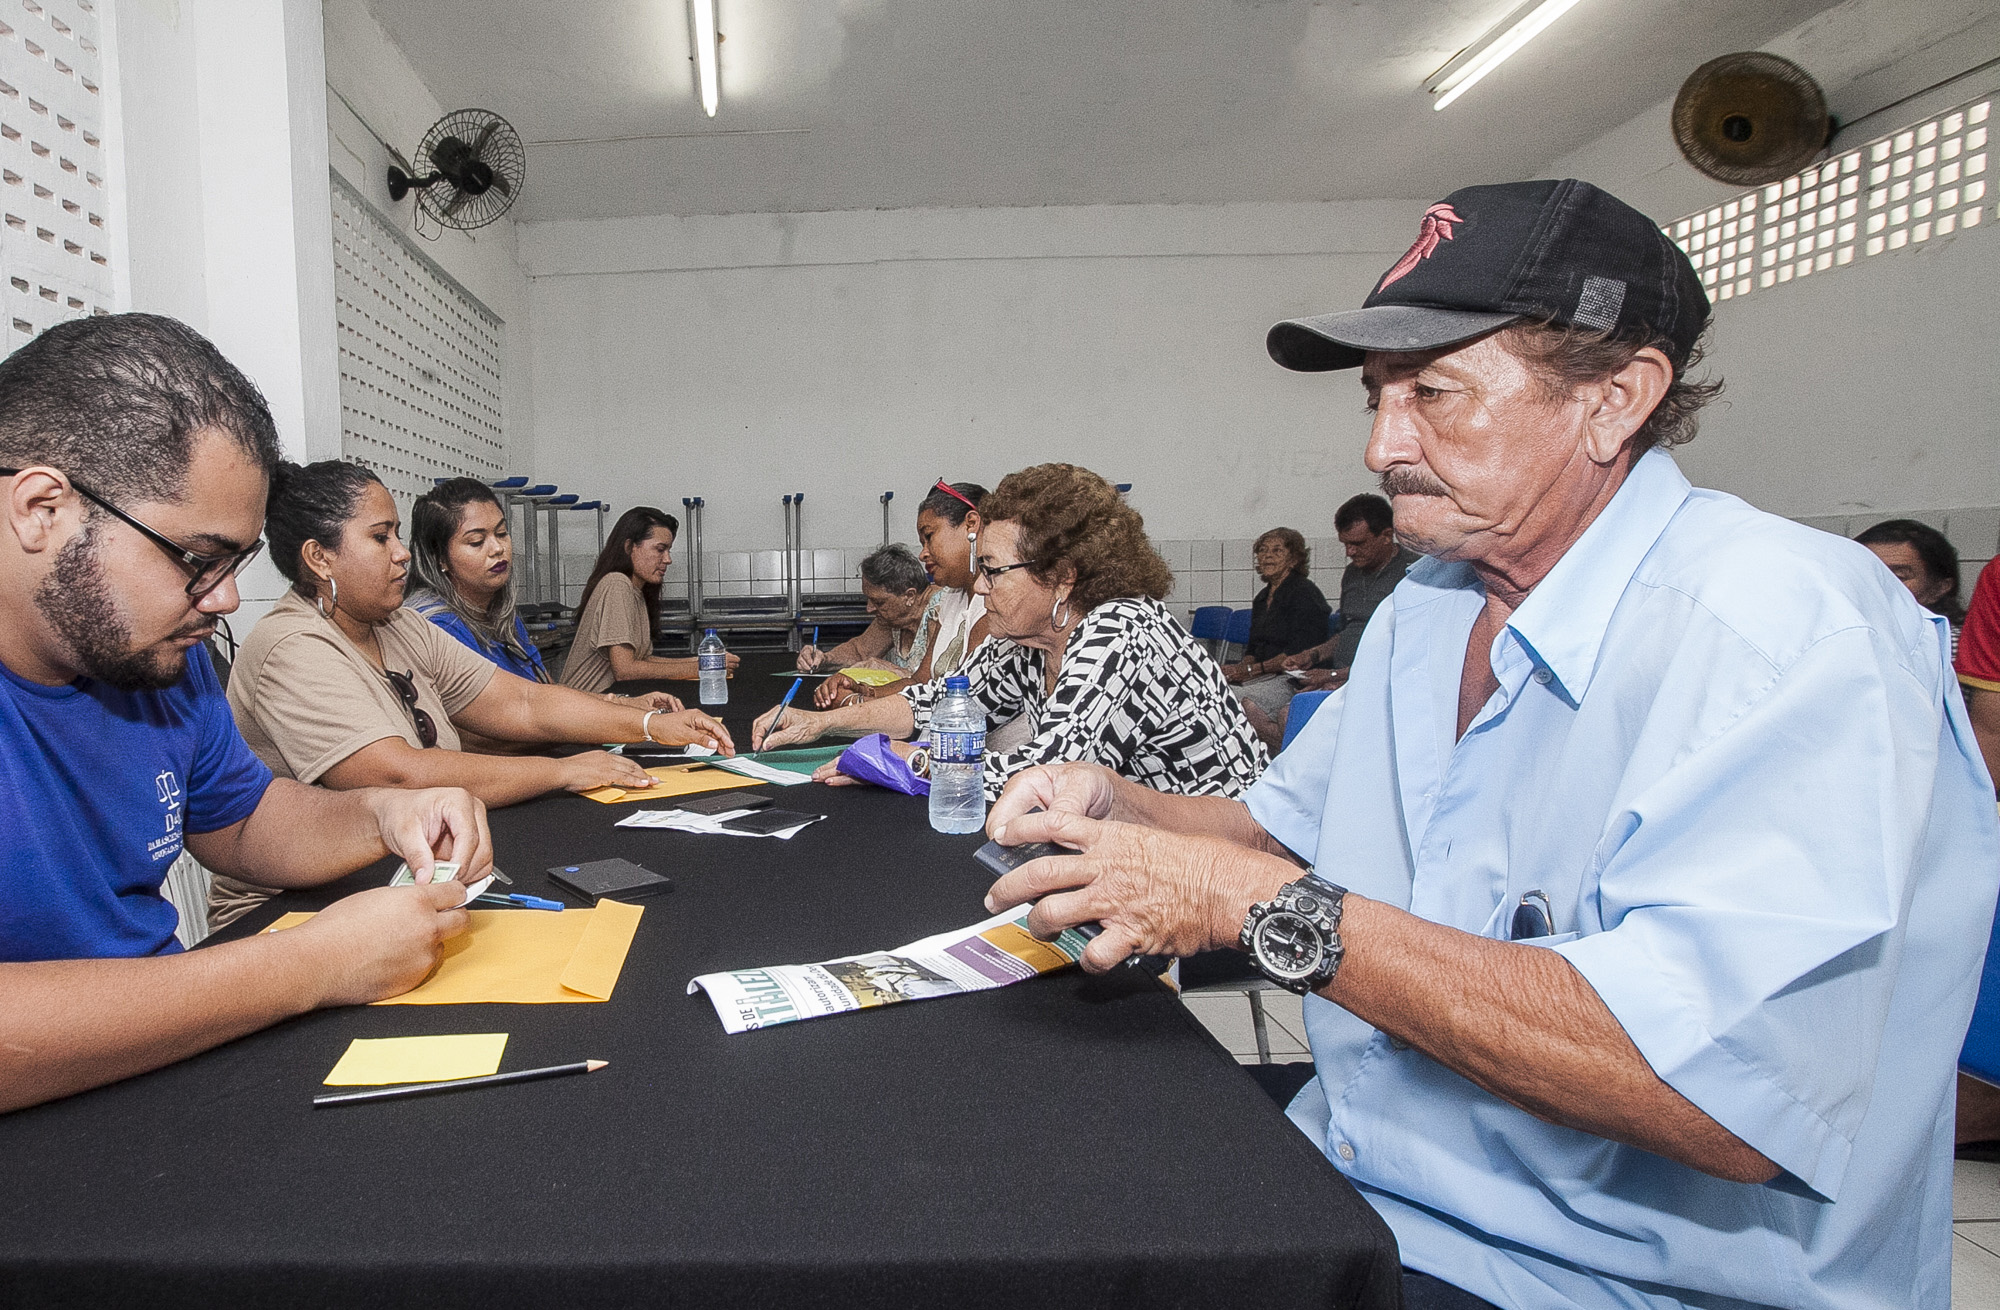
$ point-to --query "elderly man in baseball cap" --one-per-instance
(1638, 894)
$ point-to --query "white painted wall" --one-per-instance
(845, 354)
(371, 88)
(224, 192)
(221, 180)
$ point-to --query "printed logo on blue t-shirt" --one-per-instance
(168, 788)
(97, 789)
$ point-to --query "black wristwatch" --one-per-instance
(1294, 938)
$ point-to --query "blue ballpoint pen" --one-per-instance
(785, 704)
(519, 900)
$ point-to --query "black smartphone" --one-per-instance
(722, 802)
(1005, 859)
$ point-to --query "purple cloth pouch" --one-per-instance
(872, 759)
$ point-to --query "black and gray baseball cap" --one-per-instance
(1487, 256)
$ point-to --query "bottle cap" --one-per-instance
(957, 682)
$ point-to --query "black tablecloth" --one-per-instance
(1067, 1141)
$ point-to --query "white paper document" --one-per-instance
(992, 953)
(763, 772)
(686, 821)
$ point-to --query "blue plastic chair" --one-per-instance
(1237, 635)
(1210, 625)
(1301, 709)
(1980, 1055)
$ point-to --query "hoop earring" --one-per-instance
(326, 607)
(1062, 603)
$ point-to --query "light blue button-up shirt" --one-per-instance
(1728, 750)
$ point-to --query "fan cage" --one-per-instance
(499, 148)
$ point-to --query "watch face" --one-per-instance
(1288, 944)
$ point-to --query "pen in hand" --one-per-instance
(778, 719)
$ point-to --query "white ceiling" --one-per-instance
(920, 103)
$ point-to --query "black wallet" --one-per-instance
(610, 878)
(721, 802)
(769, 821)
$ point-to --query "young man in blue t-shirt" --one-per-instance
(134, 462)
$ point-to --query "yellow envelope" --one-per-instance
(371, 1061)
(872, 677)
(675, 780)
(525, 957)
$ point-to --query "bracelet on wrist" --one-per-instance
(646, 725)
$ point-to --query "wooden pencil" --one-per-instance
(455, 1084)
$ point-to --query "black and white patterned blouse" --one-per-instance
(1134, 694)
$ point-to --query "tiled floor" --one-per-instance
(1227, 1015)
(1975, 1246)
(1975, 1200)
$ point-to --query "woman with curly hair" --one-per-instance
(1103, 670)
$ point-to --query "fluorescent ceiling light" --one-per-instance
(701, 22)
(1491, 50)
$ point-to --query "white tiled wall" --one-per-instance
(1975, 530)
(1210, 572)
(744, 572)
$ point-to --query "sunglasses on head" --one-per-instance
(953, 492)
(406, 691)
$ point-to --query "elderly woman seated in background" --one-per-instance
(1925, 561)
(1288, 616)
(899, 596)
(621, 607)
(1102, 669)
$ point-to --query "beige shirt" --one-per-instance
(306, 698)
(957, 614)
(615, 615)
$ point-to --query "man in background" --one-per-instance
(1376, 562)
(134, 461)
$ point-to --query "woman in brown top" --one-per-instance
(339, 684)
(621, 604)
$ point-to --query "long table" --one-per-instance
(1065, 1141)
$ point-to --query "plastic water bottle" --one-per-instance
(958, 760)
(713, 658)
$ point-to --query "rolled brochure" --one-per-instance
(992, 953)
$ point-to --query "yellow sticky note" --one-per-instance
(371, 1061)
(674, 780)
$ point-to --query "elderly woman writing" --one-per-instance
(899, 597)
(1099, 665)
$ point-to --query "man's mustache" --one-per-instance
(1404, 481)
